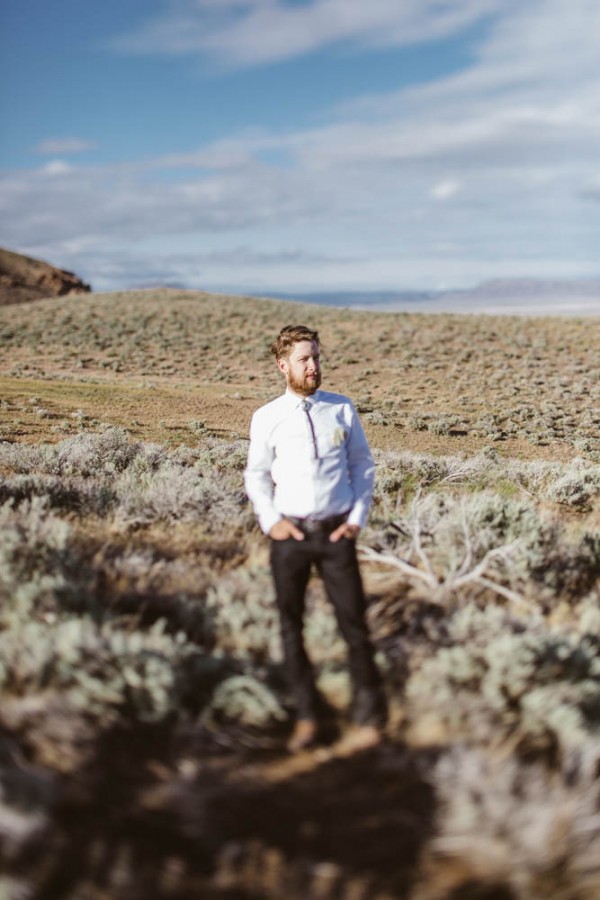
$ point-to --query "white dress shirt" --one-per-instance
(288, 474)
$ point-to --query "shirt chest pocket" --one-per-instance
(333, 443)
(338, 437)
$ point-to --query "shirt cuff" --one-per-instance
(267, 520)
(357, 516)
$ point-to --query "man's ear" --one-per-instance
(282, 365)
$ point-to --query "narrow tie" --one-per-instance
(306, 407)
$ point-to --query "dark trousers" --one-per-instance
(336, 563)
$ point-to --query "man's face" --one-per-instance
(302, 368)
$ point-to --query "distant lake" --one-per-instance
(532, 301)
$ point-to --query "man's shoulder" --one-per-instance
(270, 409)
(334, 399)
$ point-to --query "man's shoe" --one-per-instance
(303, 736)
(362, 737)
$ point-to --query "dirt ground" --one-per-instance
(163, 413)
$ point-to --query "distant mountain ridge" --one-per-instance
(513, 288)
(24, 278)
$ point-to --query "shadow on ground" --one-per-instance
(153, 816)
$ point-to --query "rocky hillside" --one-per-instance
(23, 278)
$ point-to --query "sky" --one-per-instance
(302, 145)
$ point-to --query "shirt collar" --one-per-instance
(296, 400)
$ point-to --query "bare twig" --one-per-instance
(370, 555)
(467, 573)
(515, 598)
(495, 553)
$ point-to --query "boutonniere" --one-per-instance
(339, 436)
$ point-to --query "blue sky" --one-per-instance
(314, 145)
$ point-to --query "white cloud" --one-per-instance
(511, 144)
(56, 167)
(63, 146)
(264, 31)
(444, 190)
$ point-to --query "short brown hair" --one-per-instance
(290, 335)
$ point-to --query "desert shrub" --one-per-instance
(220, 456)
(570, 565)
(532, 476)
(244, 618)
(505, 829)
(178, 493)
(244, 700)
(146, 569)
(106, 452)
(105, 671)
(245, 622)
(576, 489)
(335, 686)
(148, 458)
(487, 425)
(587, 613)
(388, 492)
(24, 459)
(378, 417)
(101, 453)
(171, 493)
(505, 675)
(445, 424)
(485, 516)
(96, 473)
(485, 541)
(398, 476)
(147, 584)
(417, 422)
(321, 630)
(83, 496)
(574, 483)
(442, 541)
(41, 569)
(429, 469)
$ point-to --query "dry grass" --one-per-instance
(154, 361)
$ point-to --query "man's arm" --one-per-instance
(257, 476)
(361, 469)
(259, 485)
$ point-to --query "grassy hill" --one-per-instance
(143, 713)
(529, 386)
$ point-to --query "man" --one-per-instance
(310, 478)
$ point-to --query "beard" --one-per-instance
(305, 385)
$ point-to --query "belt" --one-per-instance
(309, 525)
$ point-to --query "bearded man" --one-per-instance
(310, 479)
